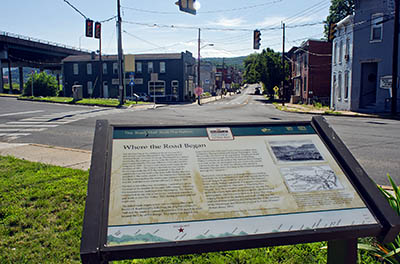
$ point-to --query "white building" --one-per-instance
(342, 63)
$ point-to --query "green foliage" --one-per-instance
(41, 212)
(338, 10)
(388, 252)
(43, 85)
(265, 67)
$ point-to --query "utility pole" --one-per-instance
(120, 60)
(395, 57)
(283, 65)
(198, 67)
(101, 69)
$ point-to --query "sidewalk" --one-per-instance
(309, 109)
(58, 156)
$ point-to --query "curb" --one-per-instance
(60, 148)
(340, 115)
(75, 104)
(10, 95)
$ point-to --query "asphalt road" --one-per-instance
(374, 142)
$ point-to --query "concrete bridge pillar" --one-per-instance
(1, 78)
(10, 77)
(21, 79)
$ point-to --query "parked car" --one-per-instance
(144, 97)
(139, 97)
(257, 91)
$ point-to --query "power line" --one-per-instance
(204, 12)
(148, 42)
(108, 19)
(296, 16)
(219, 29)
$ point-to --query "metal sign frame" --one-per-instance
(94, 234)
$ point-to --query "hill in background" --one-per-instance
(236, 62)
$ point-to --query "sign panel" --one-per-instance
(386, 82)
(190, 189)
(172, 185)
(129, 63)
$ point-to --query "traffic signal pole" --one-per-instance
(198, 68)
(283, 65)
(120, 60)
(395, 58)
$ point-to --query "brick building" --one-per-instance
(311, 72)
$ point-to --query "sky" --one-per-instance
(157, 26)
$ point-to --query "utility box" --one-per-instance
(77, 92)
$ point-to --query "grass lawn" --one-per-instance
(85, 101)
(41, 215)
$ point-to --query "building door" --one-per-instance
(369, 78)
(105, 89)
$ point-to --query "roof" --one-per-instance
(346, 21)
(94, 57)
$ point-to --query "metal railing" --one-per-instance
(13, 35)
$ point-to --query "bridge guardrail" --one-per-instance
(9, 34)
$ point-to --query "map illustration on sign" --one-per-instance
(311, 178)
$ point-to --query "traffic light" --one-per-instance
(89, 28)
(257, 39)
(332, 31)
(187, 6)
(97, 30)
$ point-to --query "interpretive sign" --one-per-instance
(175, 190)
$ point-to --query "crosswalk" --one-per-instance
(26, 126)
(236, 103)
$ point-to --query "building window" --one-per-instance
(305, 60)
(377, 27)
(115, 68)
(346, 84)
(340, 51)
(305, 84)
(334, 84)
(157, 88)
(347, 50)
(76, 68)
(138, 67)
(339, 86)
(90, 88)
(162, 67)
(104, 68)
(335, 53)
(175, 87)
(150, 67)
(89, 69)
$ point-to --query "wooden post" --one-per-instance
(342, 251)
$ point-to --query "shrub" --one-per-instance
(43, 85)
(388, 252)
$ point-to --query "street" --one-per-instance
(374, 142)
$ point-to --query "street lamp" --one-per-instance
(80, 40)
(198, 66)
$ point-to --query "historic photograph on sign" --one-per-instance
(295, 151)
(310, 178)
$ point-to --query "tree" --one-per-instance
(265, 67)
(338, 10)
(250, 74)
(43, 85)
